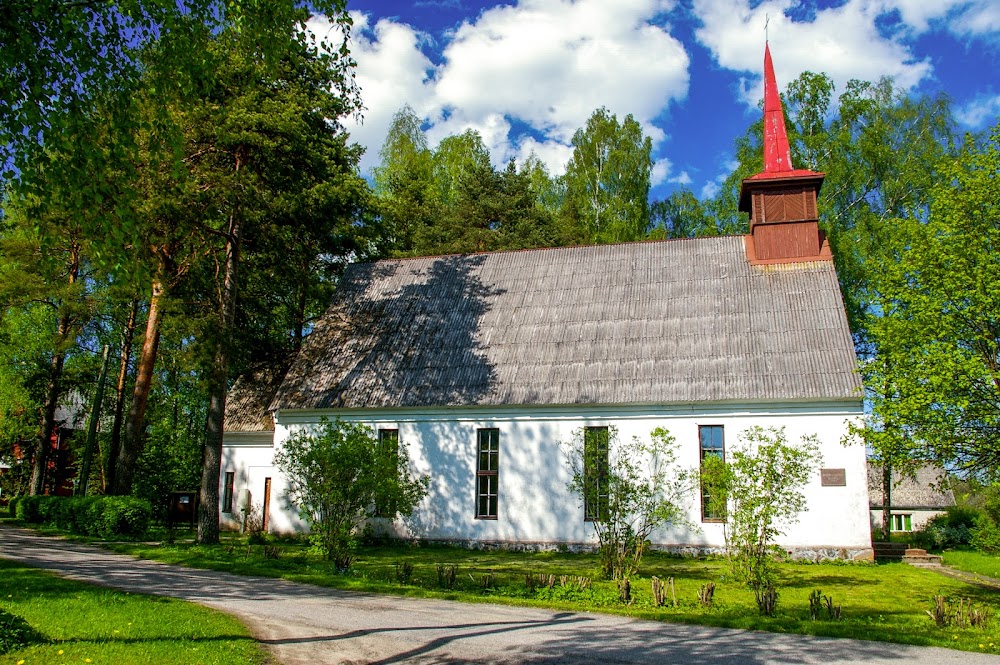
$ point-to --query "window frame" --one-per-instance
(596, 511)
(228, 487)
(902, 522)
(703, 451)
(492, 438)
(384, 509)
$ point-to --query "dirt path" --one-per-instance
(302, 624)
(975, 579)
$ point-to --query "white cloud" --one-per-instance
(553, 154)
(683, 178)
(971, 18)
(392, 71)
(712, 187)
(982, 18)
(982, 111)
(546, 64)
(842, 41)
(550, 63)
(662, 172)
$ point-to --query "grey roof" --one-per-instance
(640, 323)
(923, 490)
(247, 401)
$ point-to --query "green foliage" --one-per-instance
(106, 517)
(939, 332)
(986, 530)
(16, 633)
(629, 489)
(337, 475)
(680, 215)
(408, 199)
(761, 486)
(953, 528)
(607, 181)
(452, 200)
(120, 517)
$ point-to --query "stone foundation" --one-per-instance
(814, 554)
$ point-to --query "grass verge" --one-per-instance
(885, 602)
(89, 624)
(972, 561)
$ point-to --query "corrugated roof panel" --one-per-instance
(660, 322)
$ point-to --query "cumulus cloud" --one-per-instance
(983, 111)
(845, 42)
(543, 64)
(392, 71)
(969, 18)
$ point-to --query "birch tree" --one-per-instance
(607, 181)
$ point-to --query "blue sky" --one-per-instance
(527, 73)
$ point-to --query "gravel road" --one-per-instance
(301, 624)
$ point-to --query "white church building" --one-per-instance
(513, 353)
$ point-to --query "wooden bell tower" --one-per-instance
(781, 200)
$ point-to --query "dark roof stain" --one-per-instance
(640, 323)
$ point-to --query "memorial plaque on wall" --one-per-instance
(833, 477)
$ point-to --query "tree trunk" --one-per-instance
(54, 388)
(208, 498)
(135, 435)
(128, 334)
(44, 442)
(886, 501)
(300, 315)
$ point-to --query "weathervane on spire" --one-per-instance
(767, 19)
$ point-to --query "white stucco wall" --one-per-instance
(250, 456)
(535, 505)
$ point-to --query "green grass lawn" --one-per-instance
(89, 624)
(884, 602)
(973, 561)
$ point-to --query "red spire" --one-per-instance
(777, 156)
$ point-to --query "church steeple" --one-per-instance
(781, 200)
(777, 154)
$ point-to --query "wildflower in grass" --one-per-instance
(60, 652)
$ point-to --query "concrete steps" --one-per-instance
(914, 555)
(901, 552)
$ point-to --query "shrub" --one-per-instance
(986, 535)
(760, 490)
(339, 476)
(16, 633)
(104, 516)
(950, 529)
(27, 509)
(12, 506)
(122, 517)
(627, 489)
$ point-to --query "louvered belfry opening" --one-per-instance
(784, 223)
(781, 200)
